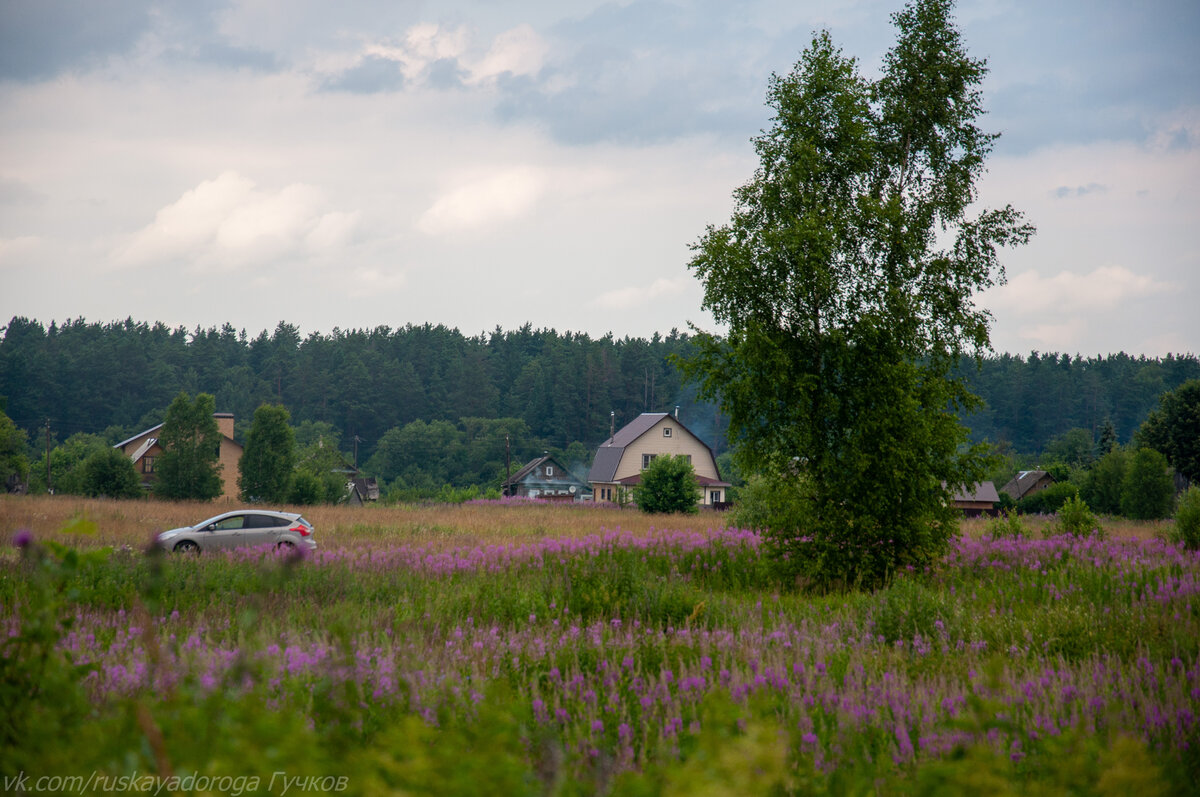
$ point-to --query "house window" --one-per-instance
(549, 470)
(647, 459)
(714, 496)
(666, 431)
(147, 464)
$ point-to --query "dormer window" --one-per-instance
(549, 470)
(666, 431)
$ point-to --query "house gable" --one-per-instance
(621, 459)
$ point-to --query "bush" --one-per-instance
(1048, 501)
(1076, 518)
(109, 473)
(668, 485)
(771, 504)
(1006, 524)
(1148, 489)
(1187, 518)
(306, 489)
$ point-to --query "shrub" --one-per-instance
(1147, 491)
(306, 489)
(1006, 524)
(109, 473)
(1048, 501)
(668, 485)
(1187, 518)
(1076, 518)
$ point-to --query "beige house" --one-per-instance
(620, 459)
(980, 499)
(144, 449)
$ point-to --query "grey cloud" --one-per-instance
(17, 192)
(41, 38)
(372, 75)
(1063, 191)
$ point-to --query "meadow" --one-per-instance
(541, 649)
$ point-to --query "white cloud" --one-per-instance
(637, 295)
(1029, 293)
(517, 51)
(484, 200)
(228, 221)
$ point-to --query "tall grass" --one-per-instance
(546, 650)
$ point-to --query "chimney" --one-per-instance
(224, 423)
(676, 412)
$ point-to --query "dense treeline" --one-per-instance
(118, 378)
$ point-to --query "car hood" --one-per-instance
(172, 533)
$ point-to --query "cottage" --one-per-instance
(620, 459)
(545, 478)
(1027, 483)
(361, 491)
(144, 448)
(981, 499)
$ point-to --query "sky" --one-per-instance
(483, 164)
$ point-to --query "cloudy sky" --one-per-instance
(480, 163)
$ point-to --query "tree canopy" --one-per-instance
(1174, 429)
(846, 278)
(189, 466)
(265, 469)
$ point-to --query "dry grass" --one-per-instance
(135, 522)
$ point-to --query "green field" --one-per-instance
(564, 650)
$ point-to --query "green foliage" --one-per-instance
(265, 469)
(847, 322)
(1187, 518)
(109, 473)
(1107, 440)
(1148, 489)
(1007, 524)
(189, 466)
(668, 485)
(1174, 429)
(305, 489)
(1076, 518)
(772, 503)
(1103, 483)
(1049, 500)
(66, 465)
(14, 465)
(1074, 448)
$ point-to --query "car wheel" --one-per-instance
(285, 545)
(186, 546)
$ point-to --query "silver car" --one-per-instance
(238, 529)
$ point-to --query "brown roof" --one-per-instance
(608, 455)
(982, 492)
(1023, 482)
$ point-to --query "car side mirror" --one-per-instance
(210, 527)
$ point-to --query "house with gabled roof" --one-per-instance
(621, 459)
(546, 479)
(144, 449)
(978, 499)
(1027, 483)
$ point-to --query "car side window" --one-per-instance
(235, 522)
(262, 522)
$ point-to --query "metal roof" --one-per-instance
(608, 455)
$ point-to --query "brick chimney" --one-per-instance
(225, 423)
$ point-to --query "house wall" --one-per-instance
(680, 442)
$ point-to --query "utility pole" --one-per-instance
(357, 440)
(507, 462)
(49, 489)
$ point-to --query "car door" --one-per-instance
(261, 529)
(227, 532)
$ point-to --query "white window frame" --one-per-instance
(666, 431)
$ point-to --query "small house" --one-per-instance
(980, 499)
(621, 459)
(1027, 483)
(144, 449)
(361, 491)
(546, 479)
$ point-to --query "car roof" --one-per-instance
(291, 516)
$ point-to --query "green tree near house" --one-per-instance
(66, 464)
(14, 465)
(846, 278)
(189, 467)
(1174, 429)
(668, 485)
(265, 469)
(1148, 489)
(108, 473)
